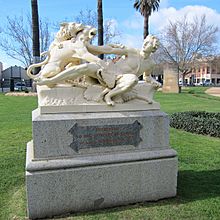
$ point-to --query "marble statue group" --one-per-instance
(96, 126)
(72, 60)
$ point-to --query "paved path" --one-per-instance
(215, 91)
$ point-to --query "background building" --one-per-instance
(12, 75)
(206, 71)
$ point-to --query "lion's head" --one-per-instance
(87, 34)
(68, 30)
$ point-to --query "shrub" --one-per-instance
(191, 91)
(198, 122)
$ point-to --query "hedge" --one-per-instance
(199, 122)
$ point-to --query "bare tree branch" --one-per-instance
(89, 17)
(16, 38)
(183, 41)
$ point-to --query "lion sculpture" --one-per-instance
(71, 55)
(66, 50)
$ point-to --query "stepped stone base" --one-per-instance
(76, 134)
(55, 187)
(87, 161)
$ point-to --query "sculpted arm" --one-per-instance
(107, 49)
(90, 57)
(86, 55)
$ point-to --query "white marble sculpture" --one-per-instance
(72, 56)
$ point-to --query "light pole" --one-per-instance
(2, 82)
(22, 83)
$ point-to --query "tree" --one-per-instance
(16, 38)
(90, 17)
(146, 7)
(100, 25)
(184, 42)
(35, 34)
(87, 17)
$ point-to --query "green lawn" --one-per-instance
(187, 101)
(199, 164)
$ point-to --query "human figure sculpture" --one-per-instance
(73, 56)
(125, 72)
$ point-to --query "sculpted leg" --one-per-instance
(72, 72)
(49, 71)
(100, 97)
(123, 84)
(151, 80)
(145, 99)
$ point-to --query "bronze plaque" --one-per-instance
(105, 135)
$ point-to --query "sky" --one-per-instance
(128, 21)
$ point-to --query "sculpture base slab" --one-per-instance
(64, 99)
(81, 185)
(96, 107)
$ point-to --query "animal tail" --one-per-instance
(31, 67)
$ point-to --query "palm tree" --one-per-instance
(100, 25)
(146, 7)
(35, 34)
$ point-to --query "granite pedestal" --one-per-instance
(86, 161)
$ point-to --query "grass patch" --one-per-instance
(193, 89)
(199, 165)
(15, 124)
(200, 93)
(185, 101)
